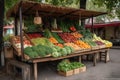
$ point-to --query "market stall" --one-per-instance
(53, 43)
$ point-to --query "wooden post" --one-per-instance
(21, 34)
(80, 58)
(106, 52)
(16, 23)
(1, 31)
(100, 56)
(92, 27)
(35, 72)
(94, 61)
(108, 55)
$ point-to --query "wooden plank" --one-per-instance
(68, 56)
(17, 64)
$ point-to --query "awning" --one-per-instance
(111, 24)
(8, 26)
(30, 8)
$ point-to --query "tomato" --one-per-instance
(72, 28)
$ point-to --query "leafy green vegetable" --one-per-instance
(58, 38)
(68, 49)
(47, 33)
(63, 52)
(31, 53)
(57, 48)
(56, 54)
(42, 41)
(66, 65)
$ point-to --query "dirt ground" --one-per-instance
(102, 71)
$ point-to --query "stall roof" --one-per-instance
(30, 8)
(110, 24)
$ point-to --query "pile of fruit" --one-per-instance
(59, 45)
(17, 42)
(67, 37)
(76, 47)
(82, 44)
(77, 35)
(108, 43)
(100, 41)
(34, 35)
(53, 40)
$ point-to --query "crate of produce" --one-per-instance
(79, 51)
(102, 46)
(67, 68)
(87, 49)
(82, 69)
(67, 73)
(95, 47)
(16, 43)
(76, 71)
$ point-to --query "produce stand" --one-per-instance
(26, 8)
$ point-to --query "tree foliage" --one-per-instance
(111, 6)
(10, 3)
(66, 3)
(106, 5)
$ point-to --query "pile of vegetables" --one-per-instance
(90, 42)
(47, 33)
(66, 65)
(58, 38)
(39, 50)
(86, 33)
(58, 52)
(42, 41)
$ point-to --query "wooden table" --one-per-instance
(94, 52)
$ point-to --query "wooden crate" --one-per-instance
(82, 69)
(18, 50)
(68, 73)
(79, 51)
(28, 38)
(102, 46)
(95, 47)
(87, 49)
(76, 71)
(8, 52)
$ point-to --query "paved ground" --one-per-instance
(102, 71)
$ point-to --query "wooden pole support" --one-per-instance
(35, 72)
